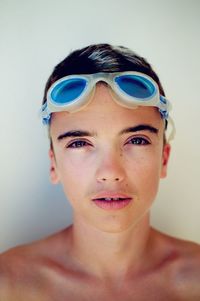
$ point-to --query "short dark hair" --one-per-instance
(101, 58)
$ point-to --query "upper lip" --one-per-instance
(109, 194)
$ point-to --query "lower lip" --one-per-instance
(112, 205)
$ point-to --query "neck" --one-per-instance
(110, 254)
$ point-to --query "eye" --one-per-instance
(78, 144)
(138, 141)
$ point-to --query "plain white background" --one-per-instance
(35, 36)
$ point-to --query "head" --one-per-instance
(101, 58)
(106, 148)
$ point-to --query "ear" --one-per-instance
(165, 160)
(53, 168)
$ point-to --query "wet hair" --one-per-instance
(101, 58)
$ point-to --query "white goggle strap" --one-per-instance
(173, 129)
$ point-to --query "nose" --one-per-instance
(110, 167)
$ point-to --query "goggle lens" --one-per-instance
(136, 86)
(68, 90)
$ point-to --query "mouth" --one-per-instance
(112, 202)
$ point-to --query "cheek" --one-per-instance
(74, 172)
(144, 174)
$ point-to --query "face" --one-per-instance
(109, 160)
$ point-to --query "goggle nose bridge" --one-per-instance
(102, 77)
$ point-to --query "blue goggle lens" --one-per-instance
(135, 86)
(68, 90)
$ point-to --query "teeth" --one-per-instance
(114, 199)
(111, 199)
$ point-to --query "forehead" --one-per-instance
(104, 113)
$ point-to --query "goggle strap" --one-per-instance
(46, 114)
(173, 130)
(165, 103)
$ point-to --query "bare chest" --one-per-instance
(46, 284)
(83, 290)
(72, 289)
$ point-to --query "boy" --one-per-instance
(107, 117)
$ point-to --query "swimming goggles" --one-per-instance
(129, 89)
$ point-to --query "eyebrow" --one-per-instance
(72, 134)
(81, 133)
(140, 127)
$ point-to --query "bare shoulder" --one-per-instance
(34, 254)
(187, 273)
(19, 271)
(25, 269)
(188, 251)
(15, 271)
(184, 270)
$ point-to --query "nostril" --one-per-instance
(104, 179)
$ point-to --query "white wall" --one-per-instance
(36, 35)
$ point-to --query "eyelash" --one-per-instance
(138, 141)
(134, 141)
(78, 144)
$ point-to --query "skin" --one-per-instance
(106, 254)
